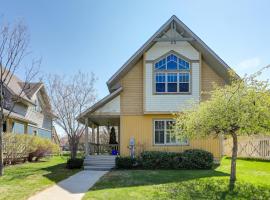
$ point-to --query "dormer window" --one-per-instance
(172, 75)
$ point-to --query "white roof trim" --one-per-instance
(100, 103)
(209, 53)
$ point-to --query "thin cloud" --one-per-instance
(249, 66)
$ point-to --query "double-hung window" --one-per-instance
(164, 133)
(172, 75)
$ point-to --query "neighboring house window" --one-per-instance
(44, 133)
(37, 106)
(172, 75)
(32, 130)
(18, 128)
(164, 134)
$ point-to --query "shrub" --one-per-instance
(22, 147)
(189, 159)
(197, 159)
(75, 163)
(41, 147)
(125, 162)
(160, 160)
(15, 148)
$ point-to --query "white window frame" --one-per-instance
(177, 143)
(166, 72)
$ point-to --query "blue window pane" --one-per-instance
(187, 77)
(183, 77)
(161, 65)
(160, 77)
(187, 65)
(184, 87)
(172, 77)
(171, 65)
(183, 64)
(17, 128)
(160, 87)
(44, 133)
(30, 130)
(172, 87)
(171, 62)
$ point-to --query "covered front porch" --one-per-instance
(99, 134)
(102, 126)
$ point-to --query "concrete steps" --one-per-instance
(99, 162)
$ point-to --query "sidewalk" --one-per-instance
(72, 188)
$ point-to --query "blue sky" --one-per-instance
(99, 36)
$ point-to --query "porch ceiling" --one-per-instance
(104, 120)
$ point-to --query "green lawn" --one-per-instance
(253, 183)
(23, 180)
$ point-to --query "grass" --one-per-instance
(253, 182)
(21, 181)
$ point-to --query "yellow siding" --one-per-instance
(131, 97)
(141, 128)
(208, 77)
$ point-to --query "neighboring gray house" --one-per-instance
(31, 112)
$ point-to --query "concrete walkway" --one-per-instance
(72, 188)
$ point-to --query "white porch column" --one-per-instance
(93, 133)
(86, 141)
(98, 139)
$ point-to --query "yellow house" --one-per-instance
(164, 76)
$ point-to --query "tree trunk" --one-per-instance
(233, 161)
(1, 148)
(73, 147)
(1, 128)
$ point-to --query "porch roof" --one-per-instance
(98, 115)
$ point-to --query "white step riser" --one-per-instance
(101, 157)
(96, 160)
(99, 163)
(100, 166)
(97, 168)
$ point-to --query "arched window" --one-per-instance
(172, 75)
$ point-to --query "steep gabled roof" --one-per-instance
(218, 65)
(30, 88)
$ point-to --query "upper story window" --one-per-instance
(172, 75)
(37, 107)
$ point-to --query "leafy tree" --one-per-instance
(240, 108)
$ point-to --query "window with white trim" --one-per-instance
(164, 133)
(172, 75)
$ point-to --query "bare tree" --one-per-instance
(14, 40)
(69, 97)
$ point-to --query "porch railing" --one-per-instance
(103, 148)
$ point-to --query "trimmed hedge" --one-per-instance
(160, 160)
(76, 163)
(189, 159)
(125, 162)
(197, 159)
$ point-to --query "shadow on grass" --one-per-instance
(58, 172)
